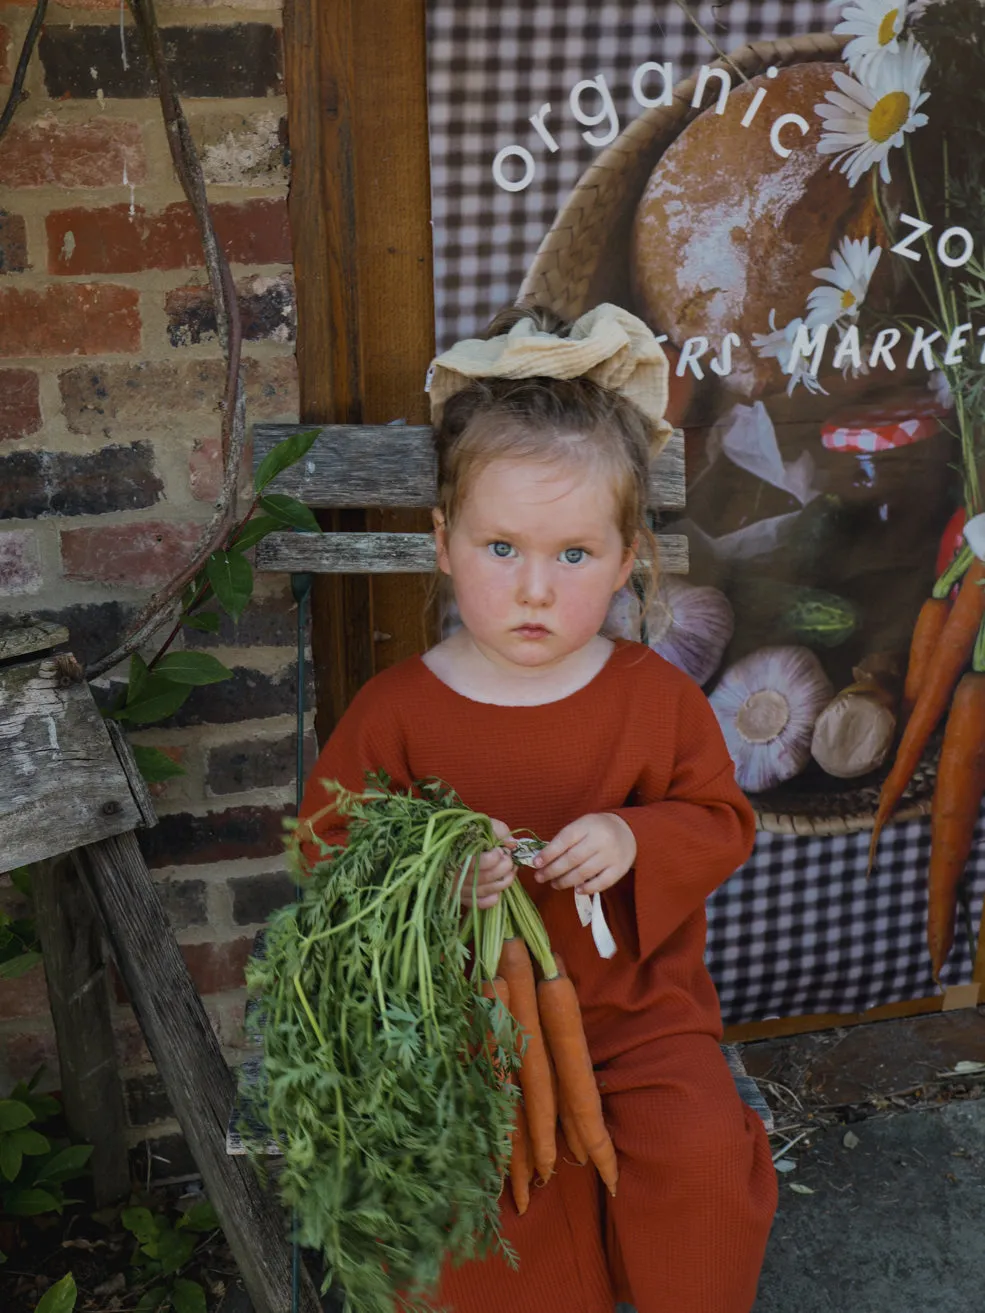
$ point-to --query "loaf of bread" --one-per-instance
(727, 230)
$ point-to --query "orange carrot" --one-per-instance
(954, 647)
(923, 644)
(957, 797)
(535, 1071)
(521, 1162)
(561, 1015)
(571, 1133)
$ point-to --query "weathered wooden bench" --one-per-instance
(71, 799)
(393, 466)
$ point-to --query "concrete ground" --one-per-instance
(884, 1211)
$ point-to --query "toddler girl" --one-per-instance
(544, 434)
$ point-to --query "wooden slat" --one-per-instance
(189, 1061)
(26, 637)
(393, 465)
(391, 553)
(76, 969)
(61, 782)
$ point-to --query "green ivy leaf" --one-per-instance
(174, 1249)
(160, 698)
(153, 1301)
(139, 675)
(30, 1142)
(65, 1164)
(30, 1203)
(285, 454)
(206, 621)
(14, 1115)
(187, 1296)
(231, 577)
(155, 765)
(10, 1158)
(20, 878)
(253, 531)
(15, 967)
(199, 1217)
(192, 668)
(291, 512)
(140, 1222)
(59, 1298)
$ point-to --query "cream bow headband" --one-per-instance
(608, 345)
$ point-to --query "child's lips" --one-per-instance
(531, 631)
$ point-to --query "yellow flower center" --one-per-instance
(847, 299)
(888, 115)
(887, 28)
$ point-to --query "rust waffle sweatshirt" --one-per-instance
(639, 740)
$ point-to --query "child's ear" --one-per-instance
(629, 560)
(441, 540)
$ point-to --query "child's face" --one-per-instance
(535, 555)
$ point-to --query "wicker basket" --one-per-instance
(583, 261)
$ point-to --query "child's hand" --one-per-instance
(589, 855)
(495, 872)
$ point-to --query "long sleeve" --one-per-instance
(369, 737)
(692, 832)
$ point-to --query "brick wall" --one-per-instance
(110, 377)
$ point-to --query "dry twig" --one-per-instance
(27, 50)
(160, 608)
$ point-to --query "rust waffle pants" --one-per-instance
(687, 1230)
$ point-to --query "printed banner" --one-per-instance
(791, 194)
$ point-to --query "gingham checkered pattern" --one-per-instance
(882, 428)
(491, 66)
(799, 930)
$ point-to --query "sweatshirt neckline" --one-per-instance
(601, 675)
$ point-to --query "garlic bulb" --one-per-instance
(688, 625)
(766, 705)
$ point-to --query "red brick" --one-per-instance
(104, 398)
(82, 319)
(29, 1050)
(47, 153)
(20, 403)
(217, 967)
(20, 566)
(25, 997)
(13, 244)
(109, 240)
(141, 555)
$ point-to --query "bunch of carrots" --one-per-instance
(947, 636)
(556, 1077)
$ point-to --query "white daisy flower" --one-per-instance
(875, 26)
(777, 345)
(940, 389)
(865, 118)
(852, 267)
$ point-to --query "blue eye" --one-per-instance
(573, 555)
(494, 548)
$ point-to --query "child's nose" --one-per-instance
(535, 585)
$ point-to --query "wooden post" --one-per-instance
(190, 1063)
(78, 993)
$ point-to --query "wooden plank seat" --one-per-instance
(390, 466)
(393, 466)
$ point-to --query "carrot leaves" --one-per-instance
(383, 1064)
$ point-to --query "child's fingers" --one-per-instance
(604, 880)
(571, 857)
(576, 878)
